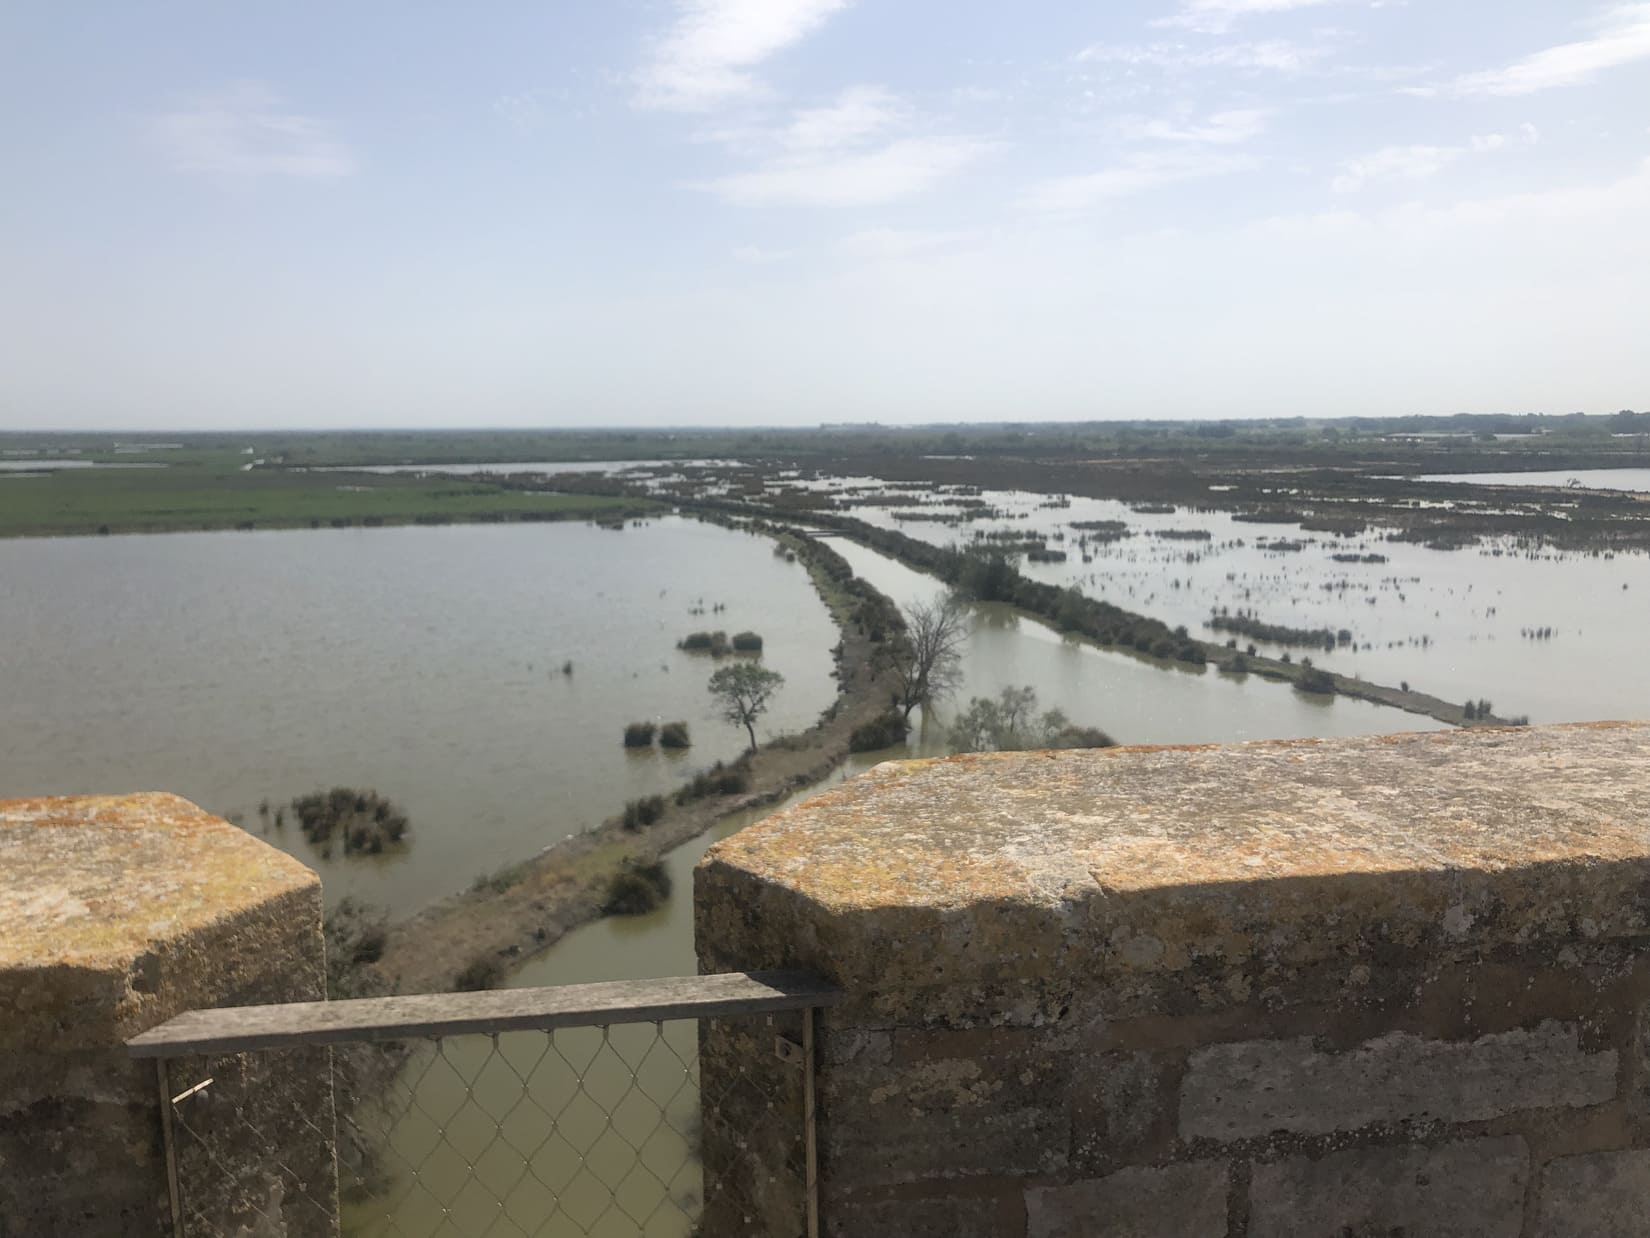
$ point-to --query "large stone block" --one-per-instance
(995, 1099)
(119, 913)
(1471, 1189)
(966, 1208)
(1254, 1088)
(1596, 1195)
(1173, 1201)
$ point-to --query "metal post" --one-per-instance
(810, 1143)
(169, 1144)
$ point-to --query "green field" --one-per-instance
(204, 482)
(208, 490)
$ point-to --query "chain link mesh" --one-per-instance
(590, 1132)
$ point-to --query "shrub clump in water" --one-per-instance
(747, 642)
(674, 735)
(713, 643)
(367, 822)
(639, 735)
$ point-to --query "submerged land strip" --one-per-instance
(503, 920)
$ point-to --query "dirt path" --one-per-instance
(529, 907)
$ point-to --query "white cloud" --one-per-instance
(1272, 55)
(1563, 213)
(249, 132)
(1218, 129)
(1134, 175)
(860, 112)
(1413, 163)
(876, 244)
(1216, 16)
(707, 56)
(1623, 37)
(530, 109)
(896, 170)
(1408, 163)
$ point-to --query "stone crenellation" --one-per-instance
(1383, 986)
(121, 912)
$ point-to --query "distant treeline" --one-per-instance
(984, 573)
(1245, 623)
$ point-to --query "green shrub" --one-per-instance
(367, 822)
(637, 888)
(674, 735)
(1081, 737)
(879, 733)
(747, 642)
(639, 735)
(485, 971)
(719, 779)
(713, 643)
(1314, 680)
(643, 812)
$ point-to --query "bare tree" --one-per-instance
(925, 661)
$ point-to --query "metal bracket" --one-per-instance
(788, 1051)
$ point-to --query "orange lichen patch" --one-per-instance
(1419, 833)
(94, 881)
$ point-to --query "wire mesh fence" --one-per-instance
(592, 1131)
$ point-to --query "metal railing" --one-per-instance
(616, 1109)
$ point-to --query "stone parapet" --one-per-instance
(120, 912)
(1384, 985)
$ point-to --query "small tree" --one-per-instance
(743, 691)
(925, 661)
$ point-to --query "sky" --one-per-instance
(786, 212)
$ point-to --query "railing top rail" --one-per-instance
(239, 1029)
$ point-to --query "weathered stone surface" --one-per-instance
(996, 1100)
(119, 912)
(1027, 871)
(1175, 1201)
(1219, 980)
(1253, 1088)
(967, 1208)
(1599, 1195)
(1471, 1189)
(1123, 1108)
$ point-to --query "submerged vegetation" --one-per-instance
(365, 821)
(1246, 623)
(718, 644)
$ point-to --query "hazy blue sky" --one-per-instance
(788, 211)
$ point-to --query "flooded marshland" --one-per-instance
(1538, 630)
(430, 664)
